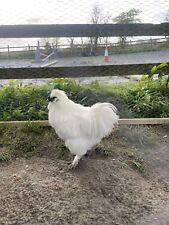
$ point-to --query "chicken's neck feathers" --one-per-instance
(68, 105)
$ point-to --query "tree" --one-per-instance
(56, 41)
(167, 16)
(131, 16)
(166, 20)
(97, 16)
(106, 19)
(71, 42)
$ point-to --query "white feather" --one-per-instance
(81, 127)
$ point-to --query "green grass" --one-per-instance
(18, 55)
(30, 140)
(68, 52)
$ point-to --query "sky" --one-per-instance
(75, 11)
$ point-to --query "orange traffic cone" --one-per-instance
(106, 55)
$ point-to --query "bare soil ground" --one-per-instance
(157, 158)
(129, 187)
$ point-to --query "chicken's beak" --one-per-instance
(49, 99)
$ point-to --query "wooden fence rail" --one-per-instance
(111, 44)
(83, 30)
(45, 123)
(75, 71)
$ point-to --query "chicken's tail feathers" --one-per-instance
(110, 105)
(103, 106)
(105, 118)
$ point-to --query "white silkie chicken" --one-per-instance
(80, 127)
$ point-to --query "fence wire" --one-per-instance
(82, 50)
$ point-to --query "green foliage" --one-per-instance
(29, 141)
(103, 150)
(131, 16)
(18, 102)
(30, 127)
(161, 70)
(137, 165)
(148, 103)
(18, 143)
(4, 157)
(15, 143)
(18, 55)
(150, 98)
(147, 98)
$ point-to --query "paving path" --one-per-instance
(117, 59)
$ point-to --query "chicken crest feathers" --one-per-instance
(58, 93)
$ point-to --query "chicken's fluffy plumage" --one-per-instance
(80, 127)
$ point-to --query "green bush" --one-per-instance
(147, 98)
(18, 102)
(149, 102)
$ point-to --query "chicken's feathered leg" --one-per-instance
(75, 162)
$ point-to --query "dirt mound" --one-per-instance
(116, 190)
(99, 192)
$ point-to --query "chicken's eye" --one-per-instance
(52, 99)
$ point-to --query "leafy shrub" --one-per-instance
(18, 102)
(161, 71)
(147, 98)
(150, 98)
